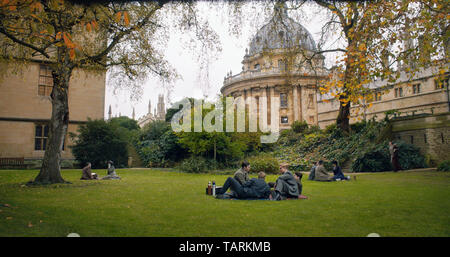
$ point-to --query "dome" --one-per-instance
(281, 32)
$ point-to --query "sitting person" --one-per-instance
(298, 177)
(87, 175)
(313, 172)
(253, 188)
(286, 186)
(337, 171)
(111, 171)
(321, 173)
(241, 175)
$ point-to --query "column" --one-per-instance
(295, 104)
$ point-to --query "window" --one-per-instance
(40, 138)
(284, 119)
(425, 138)
(311, 119)
(283, 100)
(257, 67)
(281, 65)
(45, 80)
(416, 88)
(398, 92)
(412, 139)
(311, 101)
(377, 96)
(441, 83)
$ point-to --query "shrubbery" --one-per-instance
(444, 166)
(366, 148)
(99, 141)
(264, 162)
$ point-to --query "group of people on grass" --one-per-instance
(87, 174)
(287, 186)
(319, 173)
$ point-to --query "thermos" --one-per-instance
(214, 188)
(209, 188)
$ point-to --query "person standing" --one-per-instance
(395, 159)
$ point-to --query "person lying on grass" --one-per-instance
(253, 188)
(287, 186)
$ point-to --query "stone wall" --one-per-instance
(22, 108)
(431, 133)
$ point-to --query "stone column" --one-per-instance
(269, 111)
(295, 103)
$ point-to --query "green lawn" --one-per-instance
(162, 203)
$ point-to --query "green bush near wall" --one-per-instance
(444, 166)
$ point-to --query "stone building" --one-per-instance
(159, 113)
(281, 62)
(423, 93)
(25, 108)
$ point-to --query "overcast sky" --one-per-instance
(193, 83)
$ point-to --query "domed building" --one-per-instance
(281, 61)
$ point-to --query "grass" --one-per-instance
(167, 203)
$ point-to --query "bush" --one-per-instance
(299, 126)
(410, 156)
(99, 141)
(444, 166)
(194, 165)
(377, 158)
(265, 163)
(373, 160)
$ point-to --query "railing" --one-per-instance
(12, 162)
(250, 74)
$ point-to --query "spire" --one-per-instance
(149, 106)
(133, 115)
(281, 8)
(109, 112)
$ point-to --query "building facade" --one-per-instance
(25, 108)
(425, 92)
(281, 62)
(159, 113)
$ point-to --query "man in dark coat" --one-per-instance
(253, 188)
(337, 171)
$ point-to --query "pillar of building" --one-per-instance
(295, 103)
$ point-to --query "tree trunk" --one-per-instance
(343, 119)
(50, 172)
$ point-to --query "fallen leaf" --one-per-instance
(6, 205)
(9, 218)
(29, 224)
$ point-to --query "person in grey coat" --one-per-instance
(241, 175)
(286, 185)
(312, 173)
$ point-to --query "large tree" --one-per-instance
(381, 39)
(120, 36)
